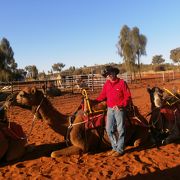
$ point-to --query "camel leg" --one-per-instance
(3, 145)
(71, 150)
(141, 136)
(174, 135)
(16, 149)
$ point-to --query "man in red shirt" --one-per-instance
(117, 94)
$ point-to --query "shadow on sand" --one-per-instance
(168, 174)
(37, 151)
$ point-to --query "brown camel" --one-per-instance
(81, 139)
(12, 137)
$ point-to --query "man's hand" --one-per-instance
(116, 108)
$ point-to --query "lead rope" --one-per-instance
(34, 118)
(135, 116)
(32, 125)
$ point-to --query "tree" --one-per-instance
(6, 54)
(20, 74)
(8, 66)
(139, 42)
(131, 46)
(175, 55)
(124, 47)
(32, 71)
(42, 75)
(157, 59)
(58, 67)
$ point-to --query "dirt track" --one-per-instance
(153, 163)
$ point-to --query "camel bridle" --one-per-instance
(6, 106)
(34, 118)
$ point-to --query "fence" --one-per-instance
(92, 82)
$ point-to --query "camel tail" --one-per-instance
(71, 150)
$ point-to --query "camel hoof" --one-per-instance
(137, 143)
(55, 154)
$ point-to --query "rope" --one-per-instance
(172, 94)
(168, 91)
(85, 95)
(6, 106)
(34, 118)
(135, 116)
(70, 127)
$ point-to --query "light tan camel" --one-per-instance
(82, 139)
(12, 137)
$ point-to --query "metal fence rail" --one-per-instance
(74, 84)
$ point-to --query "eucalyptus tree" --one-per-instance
(58, 67)
(139, 43)
(175, 55)
(158, 59)
(124, 47)
(8, 66)
(32, 71)
(131, 46)
(6, 54)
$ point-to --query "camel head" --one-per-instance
(29, 96)
(156, 96)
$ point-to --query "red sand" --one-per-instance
(153, 163)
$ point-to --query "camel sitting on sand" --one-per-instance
(82, 139)
(12, 137)
(165, 115)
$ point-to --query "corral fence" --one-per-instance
(162, 76)
(92, 82)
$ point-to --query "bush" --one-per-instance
(160, 68)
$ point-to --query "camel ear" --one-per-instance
(148, 89)
(156, 89)
(33, 90)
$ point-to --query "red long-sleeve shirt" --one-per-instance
(116, 93)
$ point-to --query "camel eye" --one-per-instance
(23, 94)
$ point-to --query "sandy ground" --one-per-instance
(147, 163)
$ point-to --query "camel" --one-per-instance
(12, 137)
(82, 140)
(165, 115)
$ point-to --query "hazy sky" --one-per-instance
(85, 32)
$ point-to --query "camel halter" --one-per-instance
(34, 118)
(5, 106)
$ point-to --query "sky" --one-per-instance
(85, 32)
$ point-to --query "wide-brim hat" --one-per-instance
(109, 70)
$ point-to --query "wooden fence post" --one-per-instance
(163, 76)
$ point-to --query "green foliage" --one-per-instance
(5, 75)
(131, 46)
(6, 55)
(157, 59)
(58, 67)
(8, 66)
(175, 55)
(32, 71)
